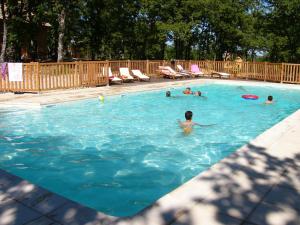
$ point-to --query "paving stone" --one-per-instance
(14, 213)
(8, 180)
(75, 214)
(283, 197)
(291, 179)
(42, 221)
(42, 200)
(266, 214)
(203, 214)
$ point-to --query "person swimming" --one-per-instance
(269, 100)
(168, 95)
(188, 124)
(199, 94)
(188, 91)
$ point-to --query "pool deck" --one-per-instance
(256, 185)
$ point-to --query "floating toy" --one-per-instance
(250, 97)
(101, 98)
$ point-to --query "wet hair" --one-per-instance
(168, 94)
(199, 93)
(270, 98)
(188, 88)
(188, 115)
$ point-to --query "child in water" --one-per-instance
(270, 100)
(187, 125)
(188, 91)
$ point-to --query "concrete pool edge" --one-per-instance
(249, 164)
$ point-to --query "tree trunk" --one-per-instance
(61, 33)
(4, 38)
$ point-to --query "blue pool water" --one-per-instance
(121, 156)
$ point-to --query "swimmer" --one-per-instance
(188, 124)
(199, 93)
(168, 95)
(270, 100)
(187, 91)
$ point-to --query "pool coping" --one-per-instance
(232, 191)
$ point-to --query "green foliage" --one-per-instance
(156, 29)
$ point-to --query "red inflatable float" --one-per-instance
(250, 97)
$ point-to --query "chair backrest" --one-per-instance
(137, 73)
(180, 68)
(124, 71)
(109, 72)
(195, 68)
(170, 69)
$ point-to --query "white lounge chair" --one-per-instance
(125, 74)
(183, 71)
(168, 72)
(113, 79)
(221, 74)
(140, 76)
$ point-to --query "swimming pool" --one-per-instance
(120, 156)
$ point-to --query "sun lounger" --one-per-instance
(125, 74)
(140, 76)
(220, 74)
(113, 79)
(168, 72)
(183, 71)
(215, 73)
(195, 71)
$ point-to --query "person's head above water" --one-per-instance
(168, 94)
(270, 98)
(198, 93)
(187, 91)
(188, 115)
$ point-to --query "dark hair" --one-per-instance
(188, 115)
(168, 94)
(270, 98)
(188, 88)
(199, 93)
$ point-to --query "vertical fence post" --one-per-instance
(128, 64)
(281, 73)
(80, 73)
(265, 72)
(106, 72)
(190, 63)
(147, 67)
(38, 76)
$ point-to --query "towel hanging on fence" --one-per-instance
(15, 71)
(3, 70)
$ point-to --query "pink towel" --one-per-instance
(195, 68)
(4, 70)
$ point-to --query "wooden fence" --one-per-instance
(39, 77)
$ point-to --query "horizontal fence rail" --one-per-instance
(39, 77)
